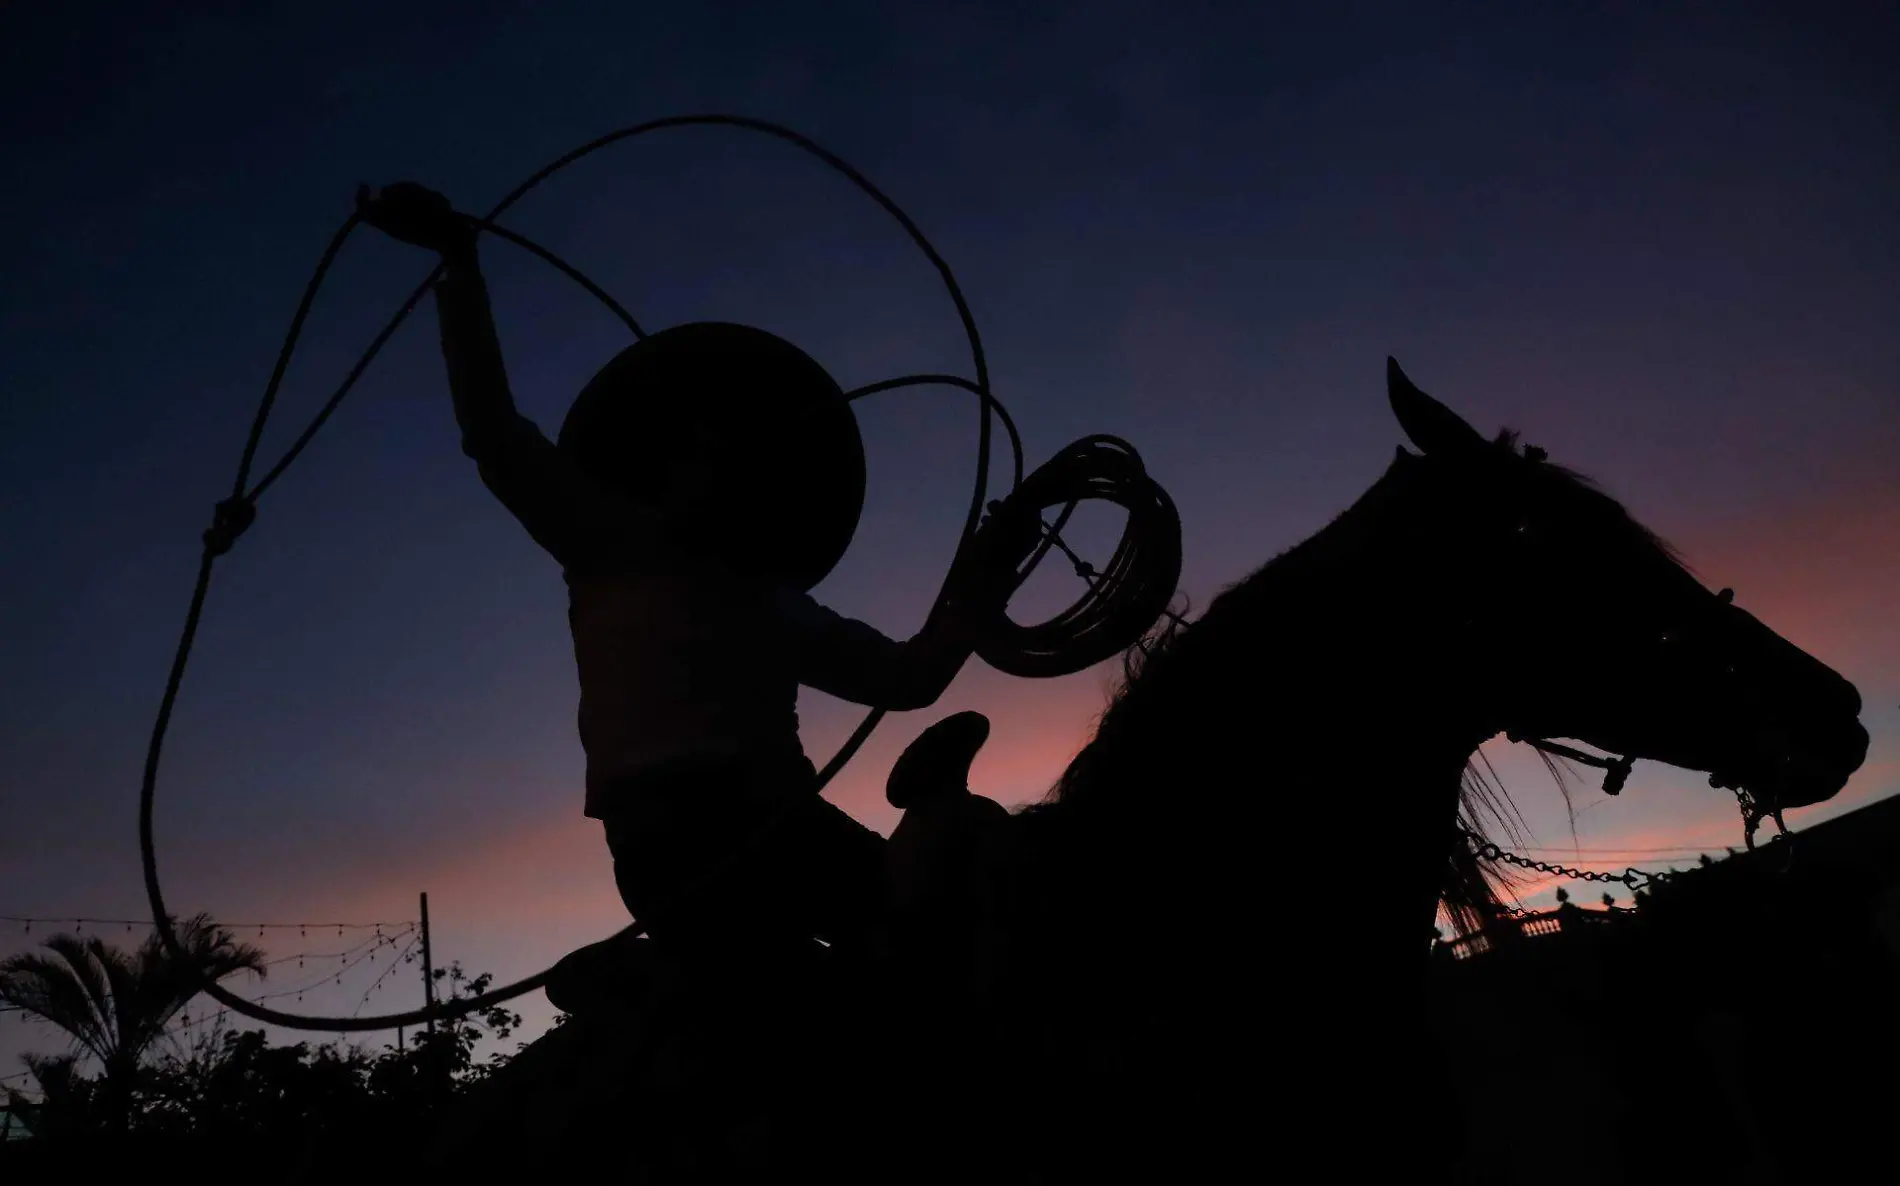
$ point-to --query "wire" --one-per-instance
(55, 920)
(395, 961)
(187, 1021)
(1083, 630)
(1684, 849)
(335, 977)
(377, 940)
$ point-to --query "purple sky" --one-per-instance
(1666, 250)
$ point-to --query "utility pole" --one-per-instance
(428, 966)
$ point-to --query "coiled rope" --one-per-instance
(1121, 603)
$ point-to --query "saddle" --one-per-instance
(849, 1065)
(936, 861)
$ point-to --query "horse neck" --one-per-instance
(1240, 871)
(1321, 718)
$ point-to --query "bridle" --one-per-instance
(1616, 771)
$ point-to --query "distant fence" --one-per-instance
(1564, 919)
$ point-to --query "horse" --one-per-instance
(1205, 950)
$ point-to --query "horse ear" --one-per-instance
(1434, 428)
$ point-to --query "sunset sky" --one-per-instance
(1666, 250)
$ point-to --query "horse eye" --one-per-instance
(1668, 637)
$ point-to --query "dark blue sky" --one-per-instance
(1664, 247)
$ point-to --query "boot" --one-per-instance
(615, 975)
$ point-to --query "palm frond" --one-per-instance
(86, 956)
(216, 951)
(208, 952)
(66, 991)
(124, 977)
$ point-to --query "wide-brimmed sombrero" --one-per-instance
(796, 457)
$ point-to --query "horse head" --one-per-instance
(1600, 633)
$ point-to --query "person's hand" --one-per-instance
(412, 213)
(1006, 538)
(1008, 535)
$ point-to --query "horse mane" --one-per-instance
(1472, 892)
(1584, 488)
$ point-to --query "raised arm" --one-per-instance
(580, 522)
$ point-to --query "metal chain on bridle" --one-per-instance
(1616, 774)
(1487, 850)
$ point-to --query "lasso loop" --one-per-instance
(1121, 603)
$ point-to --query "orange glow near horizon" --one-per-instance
(1844, 564)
